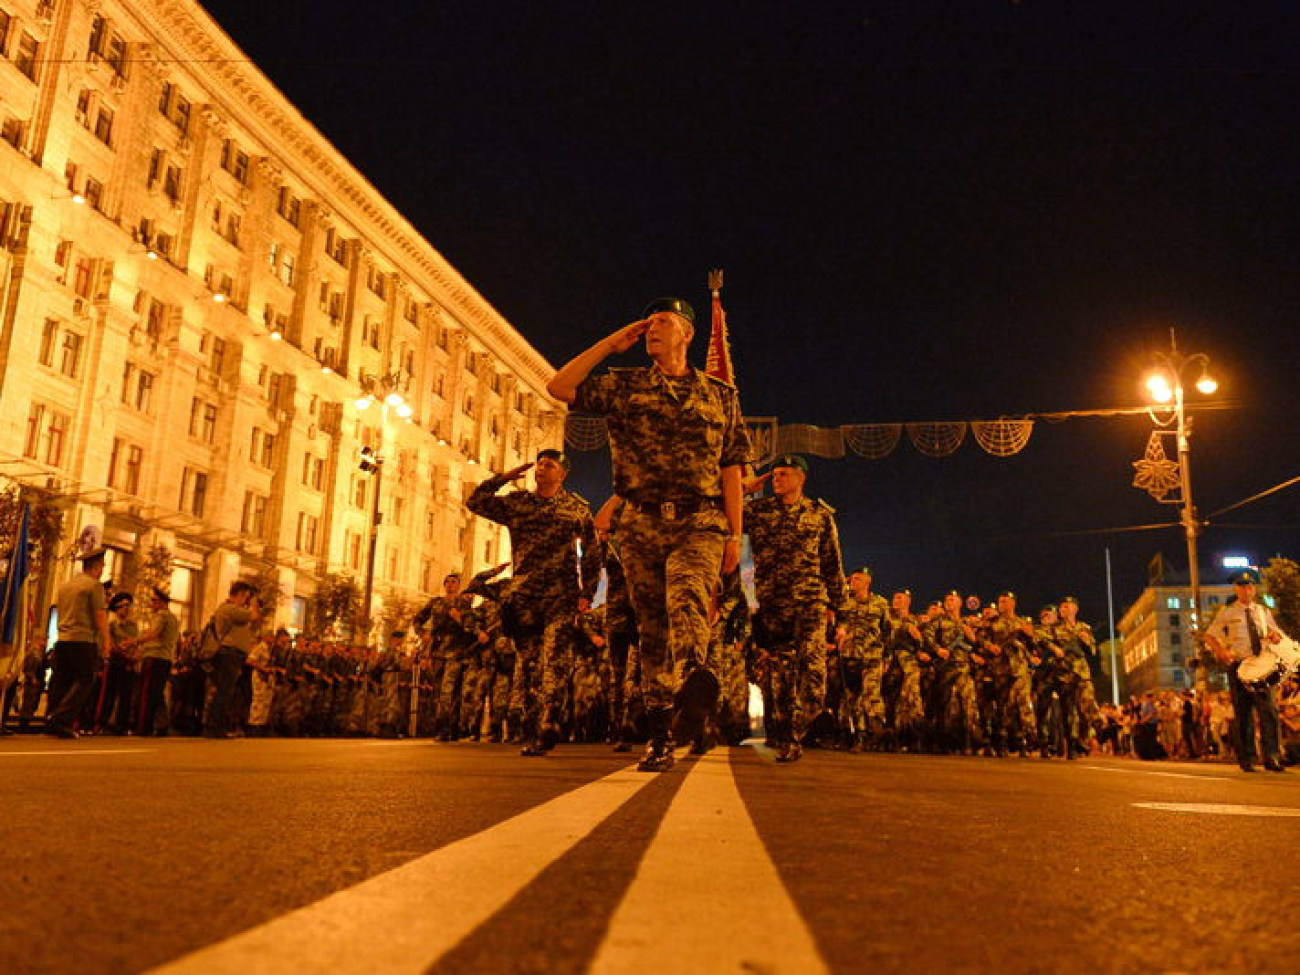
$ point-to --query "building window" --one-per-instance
(308, 526)
(359, 492)
(70, 360)
(194, 491)
(289, 207)
(1173, 602)
(234, 161)
(47, 432)
(313, 472)
(93, 192)
(253, 521)
(104, 125)
(49, 337)
(124, 466)
(1174, 620)
(27, 55)
(203, 420)
(1175, 640)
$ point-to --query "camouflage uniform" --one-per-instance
(543, 594)
(907, 715)
(798, 576)
(731, 632)
(670, 438)
(448, 621)
(1079, 644)
(1015, 727)
(590, 707)
(862, 652)
(956, 713)
(620, 638)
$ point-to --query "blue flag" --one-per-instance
(14, 578)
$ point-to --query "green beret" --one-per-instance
(790, 460)
(1244, 577)
(1070, 599)
(675, 305)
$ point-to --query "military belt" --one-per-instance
(672, 510)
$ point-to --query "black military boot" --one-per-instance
(658, 755)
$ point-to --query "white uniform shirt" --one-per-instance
(1230, 628)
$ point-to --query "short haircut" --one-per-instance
(241, 586)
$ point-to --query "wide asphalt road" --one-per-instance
(248, 856)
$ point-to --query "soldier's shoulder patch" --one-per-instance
(821, 503)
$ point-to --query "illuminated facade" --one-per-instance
(197, 288)
(1156, 640)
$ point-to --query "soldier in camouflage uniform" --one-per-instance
(499, 656)
(864, 628)
(950, 639)
(799, 581)
(678, 444)
(589, 697)
(1080, 646)
(620, 639)
(442, 621)
(907, 654)
(393, 661)
(1010, 641)
(549, 587)
(731, 632)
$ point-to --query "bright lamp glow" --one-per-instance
(1159, 388)
(404, 411)
(1207, 384)
(394, 399)
(363, 403)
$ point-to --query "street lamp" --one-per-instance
(386, 393)
(1165, 386)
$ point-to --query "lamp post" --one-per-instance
(1165, 385)
(384, 392)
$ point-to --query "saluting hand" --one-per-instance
(627, 336)
(752, 485)
(517, 472)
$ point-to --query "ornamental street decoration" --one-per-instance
(1156, 473)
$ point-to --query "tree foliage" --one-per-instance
(1281, 578)
(335, 604)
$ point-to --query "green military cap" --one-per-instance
(791, 460)
(1008, 593)
(864, 570)
(1245, 577)
(903, 592)
(677, 306)
(1070, 599)
(1048, 608)
(952, 592)
(556, 455)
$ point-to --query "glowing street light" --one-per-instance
(1165, 384)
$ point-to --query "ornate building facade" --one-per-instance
(196, 289)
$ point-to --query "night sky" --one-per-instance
(925, 211)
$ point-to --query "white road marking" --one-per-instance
(1168, 775)
(1221, 809)
(707, 897)
(406, 919)
(85, 751)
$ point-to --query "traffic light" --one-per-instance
(370, 460)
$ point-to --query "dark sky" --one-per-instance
(925, 211)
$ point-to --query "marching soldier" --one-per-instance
(906, 651)
(679, 445)
(1011, 642)
(950, 639)
(549, 587)
(799, 579)
(1080, 646)
(863, 630)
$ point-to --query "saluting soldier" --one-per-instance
(550, 586)
(799, 581)
(679, 445)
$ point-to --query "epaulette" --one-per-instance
(821, 503)
(715, 379)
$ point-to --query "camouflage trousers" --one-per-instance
(539, 691)
(590, 705)
(863, 705)
(796, 636)
(392, 714)
(1086, 698)
(672, 574)
(957, 715)
(733, 702)
(909, 705)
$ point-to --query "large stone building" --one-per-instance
(1157, 644)
(197, 290)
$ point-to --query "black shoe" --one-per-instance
(63, 733)
(790, 752)
(532, 750)
(658, 757)
(622, 746)
(1274, 767)
(1247, 767)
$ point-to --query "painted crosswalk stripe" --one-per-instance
(1222, 809)
(707, 897)
(1168, 775)
(81, 751)
(406, 919)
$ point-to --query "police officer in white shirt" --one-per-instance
(1241, 630)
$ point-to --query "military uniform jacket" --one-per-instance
(867, 624)
(669, 439)
(796, 552)
(542, 536)
(947, 633)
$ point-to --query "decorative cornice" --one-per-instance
(244, 95)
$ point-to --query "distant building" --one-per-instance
(197, 288)
(1158, 651)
